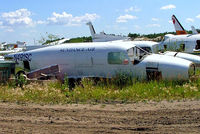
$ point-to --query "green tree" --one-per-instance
(133, 35)
(48, 38)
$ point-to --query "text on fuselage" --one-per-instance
(77, 50)
(23, 57)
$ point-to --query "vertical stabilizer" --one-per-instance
(194, 31)
(178, 27)
(92, 31)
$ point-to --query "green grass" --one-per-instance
(139, 91)
(104, 91)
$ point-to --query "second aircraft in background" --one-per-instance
(184, 42)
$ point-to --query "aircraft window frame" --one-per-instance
(145, 53)
(182, 47)
(118, 58)
(137, 56)
(149, 49)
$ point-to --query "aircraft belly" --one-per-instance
(67, 70)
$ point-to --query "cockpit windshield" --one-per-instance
(136, 54)
(148, 49)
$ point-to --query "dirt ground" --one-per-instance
(152, 117)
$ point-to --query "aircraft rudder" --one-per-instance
(177, 25)
(92, 31)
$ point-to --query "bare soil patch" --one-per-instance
(152, 117)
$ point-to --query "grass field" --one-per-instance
(53, 92)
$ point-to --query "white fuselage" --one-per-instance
(102, 37)
(186, 43)
(154, 47)
(105, 59)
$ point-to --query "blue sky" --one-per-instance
(28, 20)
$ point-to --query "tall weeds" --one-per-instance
(122, 88)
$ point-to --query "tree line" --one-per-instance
(52, 38)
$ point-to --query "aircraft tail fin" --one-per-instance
(178, 27)
(92, 31)
(194, 31)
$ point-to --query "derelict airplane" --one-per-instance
(105, 60)
(155, 47)
(12, 47)
(103, 37)
(189, 43)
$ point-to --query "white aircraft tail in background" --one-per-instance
(92, 31)
(178, 27)
(103, 37)
(194, 31)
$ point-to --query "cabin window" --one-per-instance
(116, 58)
(197, 45)
(182, 47)
(165, 47)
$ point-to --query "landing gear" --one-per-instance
(153, 75)
(21, 78)
(73, 82)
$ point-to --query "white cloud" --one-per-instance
(41, 22)
(125, 18)
(135, 9)
(168, 7)
(19, 17)
(22, 17)
(137, 27)
(153, 25)
(155, 19)
(170, 21)
(189, 20)
(69, 19)
(9, 30)
(198, 16)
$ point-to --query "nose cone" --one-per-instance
(173, 68)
